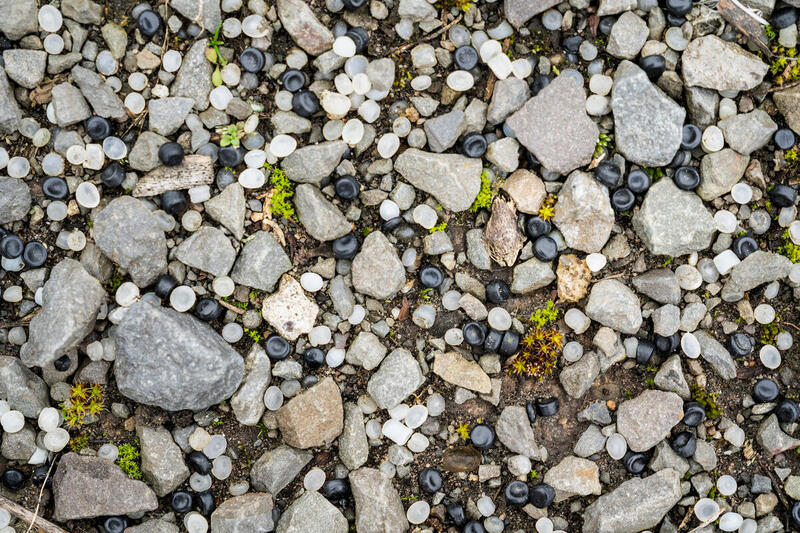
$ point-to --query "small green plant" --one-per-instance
(785, 68)
(463, 5)
(770, 331)
(253, 334)
(78, 443)
(533, 474)
(655, 173)
(240, 305)
(546, 315)
(129, 460)
(84, 400)
(539, 348)
(668, 261)
(548, 208)
(790, 156)
(485, 195)
(282, 191)
(463, 431)
(789, 249)
(231, 135)
(604, 144)
(438, 227)
(366, 230)
(115, 281)
(425, 294)
(707, 400)
(771, 33)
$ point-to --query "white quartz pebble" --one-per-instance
(616, 446)
(56, 440)
(87, 195)
(388, 145)
(182, 298)
(396, 431)
(50, 18)
(690, 345)
(314, 479)
(282, 145)
(596, 262)
(12, 421)
(311, 281)
(49, 418)
(418, 512)
(127, 294)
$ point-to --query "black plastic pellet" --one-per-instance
(541, 495)
(493, 340)
(345, 247)
(34, 255)
(535, 227)
(55, 188)
(208, 309)
(347, 187)
(149, 22)
(171, 154)
(547, 406)
(497, 291)
(638, 181)
(305, 103)
(510, 343)
(765, 390)
(474, 333)
(686, 178)
(430, 480)
(164, 286)
(252, 59)
(482, 436)
(623, 199)
(693, 414)
(293, 80)
(608, 174)
(11, 246)
(466, 57)
(653, 65)
(314, 357)
(474, 144)
(691, 137)
(113, 175)
(277, 347)
(516, 493)
(98, 128)
(545, 248)
(174, 202)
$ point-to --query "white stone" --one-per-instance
(357, 316)
(706, 509)
(770, 356)
(388, 145)
(319, 335)
(389, 210)
(95, 158)
(499, 319)
(596, 262)
(182, 298)
(600, 84)
(735, 435)
(361, 83)
(460, 80)
(436, 404)
(616, 446)
(255, 26)
(252, 178)
(425, 216)
(344, 46)
(369, 111)
(725, 261)
(418, 512)
(742, 193)
(690, 345)
(282, 145)
(396, 431)
(485, 506)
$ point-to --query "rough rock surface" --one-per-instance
(613, 304)
(644, 421)
(574, 476)
(398, 377)
(314, 417)
(277, 467)
(289, 310)
(304, 27)
(514, 430)
(162, 460)
(719, 172)
(312, 513)
(312, 164)
(261, 263)
(454, 180)
(244, 514)
(318, 215)
(376, 269)
(715, 64)
(248, 401)
(378, 505)
(456, 370)
(583, 213)
(209, 250)
(21, 388)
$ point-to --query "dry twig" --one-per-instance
(428, 37)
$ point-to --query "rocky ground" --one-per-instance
(398, 265)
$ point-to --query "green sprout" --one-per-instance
(485, 195)
(231, 136)
(129, 460)
(604, 144)
(282, 191)
(438, 227)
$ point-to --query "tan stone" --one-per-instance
(573, 278)
(527, 190)
(503, 240)
(313, 418)
(456, 370)
(289, 310)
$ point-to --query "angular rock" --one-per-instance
(98, 93)
(193, 79)
(144, 154)
(21, 388)
(660, 284)
(228, 209)
(153, 526)
(83, 11)
(261, 263)
(514, 430)
(719, 172)
(554, 126)
(508, 96)
(312, 418)
(15, 200)
(613, 7)
(577, 378)
(443, 131)
(748, 132)
(613, 304)
(10, 113)
(72, 299)
(416, 10)
(167, 115)
(527, 190)
(716, 355)
(116, 38)
(574, 476)
(531, 275)
(644, 421)
(312, 164)
(648, 125)
(381, 72)
(702, 105)
(312, 513)
(397, 378)
(173, 360)
(756, 269)
(25, 67)
(244, 514)
(456, 370)
(86, 487)
(18, 18)
(772, 438)
(715, 64)
(318, 215)
(670, 377)
(590, 442)
(454, 180)
(378, 505)
(366, 351)
(654, 223)
(204, 13)
(376, 269)
(583, 213)
(277, 467)
(248, 401)
(664, 457)
(503, 239)
(518, 12)
(289, 310)
(788, 103)
(504, 154)
(69, 106)
(162, 460)
(353, 444)
(209, 250)
(628, 35)
(302, 24)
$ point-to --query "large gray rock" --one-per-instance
(508, 96)
(72, 299)
(574, 476)
(716, 355)
(25, 67)
(18, 18)
(302, 24)
(518, 12)
(313, 164)
(209, 250)
(397, 378)
(228, 209)
(660, 284)
(583, 213)
(312, 513)
(318, 215)
(628, 35)
(670, 377)
(162, 460)
(613, 304)
(376, 269)
(248, 513)
(10, 113)
(167, 115)
(366, 351)
(748, 132)
(756, 269)
(86, 487)
(555, 127)
(531, 275)
(248, 402)
(635, 505)
(787, 102)
(648, 125)
(144, 154)
(314, 417)
(378, 505)
(69, 105)
(15, 200)
(443, 131)
(655, 223)
(261, 263)
(577, 378)
(276, 468)
(454, 180)
(129, 234)
(715, 64)
(21, 388)
(204, 13)
(514, 430)
(644, 421)
(353, 443)
(193, 80)
(719, 172)
(773, 439)
(83, 11)
(173, 360)
(98, 93)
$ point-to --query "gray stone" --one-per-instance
(436, 243)
(278, 467)
(583, 213)
(25, 67)
(209, 250)
(116, 38)
(21, 388)
(341, 296)
(654, 223)
(318, 215)
(397, 378)
(247, 513)
(173, 360)
(454, 180)
(518, 12)
(443, 131)
(353, 444)
(193, 79)
(555, 127)
(144, 154)
(248, 401)
(143, 252)
(788, 103)
(302, 24)
(748, 132)
(153, 526)
(531, 275)
(514, 431)
(772, 438)
(289, 311)
(376, 269)
(476, 249)
(660, 284)
(261, 263)
(613, 304)
(715, 64)
(98, 93)
(791, 486)
(756, 269)
(166, 115)
(69, 105)
(83, 11)
(716, 355)
(705, 456)
(72, 300)
(702, 105)
(613, 7)
(15, 200)
(10, 113)
(509, 95)
(596, 413)
(635, 505)
(644, 421)
(577, 378)
(314, 417)
(378, 505)
(288, 122)
(19, 446)
(228, 208)
(504, 154)
(670, 377)
(719, 172)
(574, 476)
(628, 35)
(315, 163)
(162, 460)
(86, 487)
(665, 457)
(366, 351)
(60, 63)
(18, 18)
(416, 10)
(666, 320)
(312, 513)
(648, 125)
(381, 73)
(204, 13)
(590, 442)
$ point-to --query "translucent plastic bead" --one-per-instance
(53, 44)
(18, 167)
(731, 522)
(114, 148)
(727, 485)
(436, 404)
(95, 158)
(57, 210)
(53, 164)
(50, 18)
(182, 298)
(273, 398)
(418, 512)
(216, 446)
(742, 193)
(388, 145)
(199, 482)
(573, 351)
(616, 446)
(255, 158)
(195, 523)
(127, 294)
(252, 178)
(49, 419)
(137, 81)
(706, 509)
(311, 281)
(255, 26)
(108, 452)
(334, 357)
(12, 421)
(314, 479)
(56, 440)
(105, 63)
(87, 195)
(485, 506)
(135, 103)
(232, 332)
(171, 61)
(770, 356)
(220, 97)
(416, 416)
(282, 145)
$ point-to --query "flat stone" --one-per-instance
(443, 131)
(289, 310)
(318, 215)
(627, 37)
(315, 163)
(204, 13)
(702, 105)
(705, 455)
(577, 378)
(454, 180)
(531, 275)
(21, 388)
(660, 284)
(25, 67)
(378, 505)
(353, 444)
(144, 154)
(277, 468)
(193, 79)
(209, 250)
(244, 514)
(527, 190)
(72, 300)
(98, 93)
(167, 115)
(83, 11)
(69, 106)
(748, 132)
(302, 24)
(248, 401)
(86, 487)
(613, 304)
(366, 351)
(508, 96)
(519, 12)
(756, 269)
(162, 460)
(314, 417)
(590, 442)
(456, 370)
(10, 113)
(15, 200)
(261, 263)
(228, 208)
(670, 377)
(716, 355)
(398, 377)
(596, 413)
(153, 526)
(501, 234)
(116, 38)
(772, 438)
(583, 213)
(715, 64)
(173, 360)
(788, 103)
(574, 476)
(654, 223)
(376, 269)
(514, 430)
(665, 457)
(719, 172)
(312, 513)
(644, 421)
(18, 18)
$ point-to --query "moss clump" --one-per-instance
(282, 191)
(790, 156)
(707, 400)
(463, 431)
(604, 144)
(115, 281)
(84, 400)
(438, 227)
(463, 5)
(253, 334)
(789, 249)
(546, 315)
(78, 443)
(485, 195)
(540, 347)
(129, 461)
(548, 208)
(785, 68)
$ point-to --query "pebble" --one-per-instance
(764, 313)
(418, 512)
(770, 356)
(616, 446)
(499, 319)
(705, 509)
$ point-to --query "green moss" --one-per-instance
(604, 144)
(282, 191)
(654, 173)
(463, 5)
(78, 443)
(438, 227)
(707, 400)
(789, 249)
(785, 68)
(546, 315)
(484, 198)
(790, 156)
(84, 400)
(115, 281)
(240, 305)
(231, 135)
(129, 460)
(253, 334)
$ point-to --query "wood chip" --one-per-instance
(747, 23)
(195, 170)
